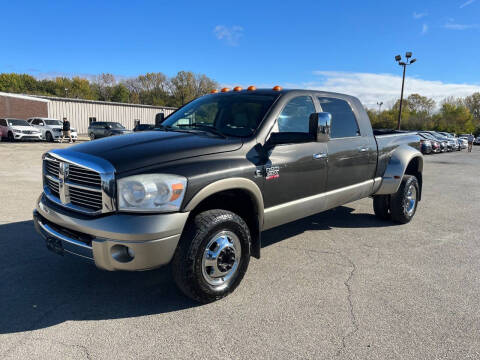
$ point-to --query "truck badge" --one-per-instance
(272, 173)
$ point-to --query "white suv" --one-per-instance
(17, 129)
(51, 129)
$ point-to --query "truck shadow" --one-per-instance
(40, 289)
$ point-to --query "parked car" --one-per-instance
(143, 127)
(100, 129)
(426, 146)
(452, 137)
(477, 141)
(463, 142)
(438, 145)
(449, 144)
(18, 129)
(199, 193)
(51, 129)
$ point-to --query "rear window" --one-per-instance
(344, 122)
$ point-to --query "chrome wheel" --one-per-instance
(221, 259)
(410, 200)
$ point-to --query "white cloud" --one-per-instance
(231, 35)
(466, 3)
(370, 87)
(424, 29)
(454, 26)
(419, 15)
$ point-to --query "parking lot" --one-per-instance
(338, 284)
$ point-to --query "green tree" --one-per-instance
(120, 93)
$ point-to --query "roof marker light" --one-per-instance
(251, 88)
(214, 91)
(225, 89)
(277, 88)
(237, 88)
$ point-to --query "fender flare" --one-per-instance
(244, 184)
(396, 167)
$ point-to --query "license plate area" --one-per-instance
(55, 245)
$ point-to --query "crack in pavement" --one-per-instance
(348, 286)
(353, 318)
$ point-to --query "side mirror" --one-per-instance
(320, 124)
(159, 119)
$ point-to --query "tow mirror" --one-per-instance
(320, 124)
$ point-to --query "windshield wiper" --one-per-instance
(203, 127)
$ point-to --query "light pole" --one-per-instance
(380, 106)
(398, 58)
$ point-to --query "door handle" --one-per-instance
(363, 148)
(320, 156)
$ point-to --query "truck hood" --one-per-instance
(137, 150)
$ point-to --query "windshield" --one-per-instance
(17, 122)
(225, 114)
(53, 122)
(116, 125)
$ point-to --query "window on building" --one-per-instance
(344, 122)
(91, 120)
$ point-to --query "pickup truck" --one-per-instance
(198, 191)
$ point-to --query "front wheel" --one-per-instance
(403, 204)
(212, 256)
(10, 137)
(92, 136)
(49, 137)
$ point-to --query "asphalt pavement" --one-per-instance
(341, 284)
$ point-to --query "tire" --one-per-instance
(402, 208)
(214, 230)
(381, 206)
(10, 137)
(92, 136)
(48, 136)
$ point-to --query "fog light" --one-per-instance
(122, 253)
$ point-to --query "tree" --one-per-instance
(120, 93)
(103, 85)
(186, 86)
(420, 104)
(472, 102)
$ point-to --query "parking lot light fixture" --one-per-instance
(398, 59)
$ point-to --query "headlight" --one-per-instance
(56, 130)
(17, 131)
(151, 192)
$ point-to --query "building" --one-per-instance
(79, 112)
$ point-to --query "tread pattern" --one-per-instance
(381, 206)
(396, 201)
(186, 264)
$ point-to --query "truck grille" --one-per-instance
(70, 184)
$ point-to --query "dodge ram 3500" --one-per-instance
(198, 191)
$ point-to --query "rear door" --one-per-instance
(349, 151)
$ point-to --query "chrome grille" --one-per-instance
(76, 187)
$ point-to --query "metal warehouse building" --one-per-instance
(79, 112)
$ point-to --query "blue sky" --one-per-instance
(346, 46)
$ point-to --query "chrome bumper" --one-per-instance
(150, 239)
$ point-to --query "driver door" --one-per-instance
(293, 171)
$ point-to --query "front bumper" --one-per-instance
(19, 136)
(151, 238)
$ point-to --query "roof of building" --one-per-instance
(22, 96)
(44, 98)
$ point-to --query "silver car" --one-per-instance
(51, 129)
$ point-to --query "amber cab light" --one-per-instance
(251, 88)
(237, 88)
(225, 89)
(277, 88)
(214, 91)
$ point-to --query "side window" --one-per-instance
(344, 123)
(295, 116)
(3, 122)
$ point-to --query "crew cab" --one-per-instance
(199, 190)
(18, 129)
(51, 129)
